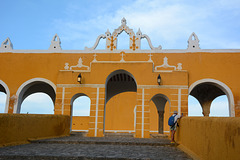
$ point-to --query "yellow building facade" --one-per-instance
(131, 91)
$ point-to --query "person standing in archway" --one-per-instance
(173, 123)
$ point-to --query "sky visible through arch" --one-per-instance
(32, 24)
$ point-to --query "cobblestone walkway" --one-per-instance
(74, 147)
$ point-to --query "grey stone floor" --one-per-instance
(74, 147)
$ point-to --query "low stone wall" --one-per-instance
(210, 138)
(18, 128)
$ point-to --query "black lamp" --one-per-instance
(159, 79)
(79, 78)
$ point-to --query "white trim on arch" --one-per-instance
(15, 110)
(8, 95)
(222, 86)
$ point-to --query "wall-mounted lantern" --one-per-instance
(79, 78)
(159, 79)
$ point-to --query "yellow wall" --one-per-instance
(18, 128)
(210, 138)
(120, 112)
(80, 123)
(195, 66)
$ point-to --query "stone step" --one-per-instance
(158, 136)
(79, 134)
(54, 151)
(76, 147)
(107, 141)
(119, 135)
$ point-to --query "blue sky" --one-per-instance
(31, 24)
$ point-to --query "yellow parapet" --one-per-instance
(210, 137)
(19, 128)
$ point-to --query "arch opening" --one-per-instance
(194, 107)
(118, 82)
(120, 101)
(80, 112)
(34, 86)
(37, 103)
(205, 91)
(123, 40)
(4, 97)
(219, 107)
(157, 113)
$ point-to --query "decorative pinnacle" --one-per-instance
(139, 32)
(124, 22)
(107, 33)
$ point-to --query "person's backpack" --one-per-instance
(171, 120)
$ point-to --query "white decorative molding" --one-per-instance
(95, 59)
(96, 43)
(150, 58)
(166, 65)
(111, 44)
(55, 43)
(138, 86)
(79, 65)
(193, 42)
(150, 43)
(102, 51)
(134, 40)
(6, 45)
(122, 59)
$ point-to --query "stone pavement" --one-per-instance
(76, 147)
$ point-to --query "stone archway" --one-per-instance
(160, 101)
(120, 88)
(33, 86)
(206, 90)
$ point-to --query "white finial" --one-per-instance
(139, 33)
(165, 60)
(124, 22)
(7, 45)
(55, 43)
(80, 61)
(179, 67)
(108, 33)
(193, 42)
(66, 66)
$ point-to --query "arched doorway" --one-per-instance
(36, 85)
(157, 113)
(120, 101)
(80, 112)
(206, 90)
(4, 97)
